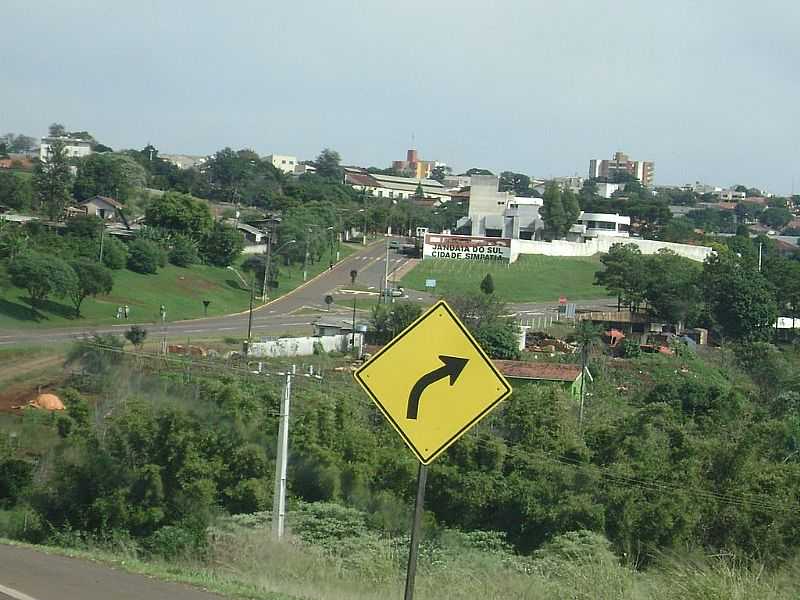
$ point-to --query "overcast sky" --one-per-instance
(709, 90)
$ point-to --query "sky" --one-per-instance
(708, 89)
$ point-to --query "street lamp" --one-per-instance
(268, 266)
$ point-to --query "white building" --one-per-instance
(592, 225)
(729, 195)
(72, 147)
(500, 214)
(606, 190)
(184, 161)
(390, 186)
(283, 162)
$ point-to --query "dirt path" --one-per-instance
(16, 389)
(22, 366)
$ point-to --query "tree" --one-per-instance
(572, 209)
(439, 173)
(15, 192)
(183, 251)
(57, 130)
(19, 143)
(673, 291)
(136, 335)
(776, 217)
(740, 299)
(108, 174)
(419, 192)
(143, 256)
(180, 213)
(517, 183)
(222, 245)
(92, 279)
(487, 284)
(327, 164)
(52, 181)
(115, 253)
(499, 339)
(553, 215)
(624, 274)
(42, 276)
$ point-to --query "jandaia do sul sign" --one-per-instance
(465, 247)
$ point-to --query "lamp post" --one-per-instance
(268, 266)
(305, 259)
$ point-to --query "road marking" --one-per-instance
(14, 593)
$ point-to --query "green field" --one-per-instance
(180, 290)
(532, 278)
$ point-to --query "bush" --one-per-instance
(222, 245)
(248, 496)
(144, 256)
(172, 542)
(115, 253)
(183, 252)
(630, 349)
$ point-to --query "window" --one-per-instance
(380, 193)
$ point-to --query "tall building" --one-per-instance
(643, 170)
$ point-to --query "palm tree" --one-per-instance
(587, 336)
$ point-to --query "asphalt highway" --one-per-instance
(291, 313)
(26, 574)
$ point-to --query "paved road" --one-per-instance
(273, 318)
(286, 314)
(26, 574)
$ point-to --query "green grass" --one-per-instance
(530, 279)
(181, 290)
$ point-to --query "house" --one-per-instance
(567, 374)
(282, 162)
(102, 206)
(73, 148)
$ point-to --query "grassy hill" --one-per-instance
(531, 279)
(181, 290)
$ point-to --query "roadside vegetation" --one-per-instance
(684, 472)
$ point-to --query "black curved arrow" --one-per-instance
(452, 367)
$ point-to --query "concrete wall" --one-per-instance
(255, 249)
(603, 245)
(304, 346)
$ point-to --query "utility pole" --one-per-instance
(281, 459)
(268, 264)
(250, 314)
(102, 238)
(364, 233)
(386, 274)
(163, 313)
(305, 260)
(760, 246)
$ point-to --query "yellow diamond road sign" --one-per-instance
(433, 382)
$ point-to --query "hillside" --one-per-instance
(180, 290)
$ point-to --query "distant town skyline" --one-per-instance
(706, 91)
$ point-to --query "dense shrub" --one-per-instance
(144, 256)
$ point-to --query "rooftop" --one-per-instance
(542, 371)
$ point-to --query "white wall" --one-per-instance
(304, 346)
(603, 245)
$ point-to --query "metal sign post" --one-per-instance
(433, 382)
(413, 551)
